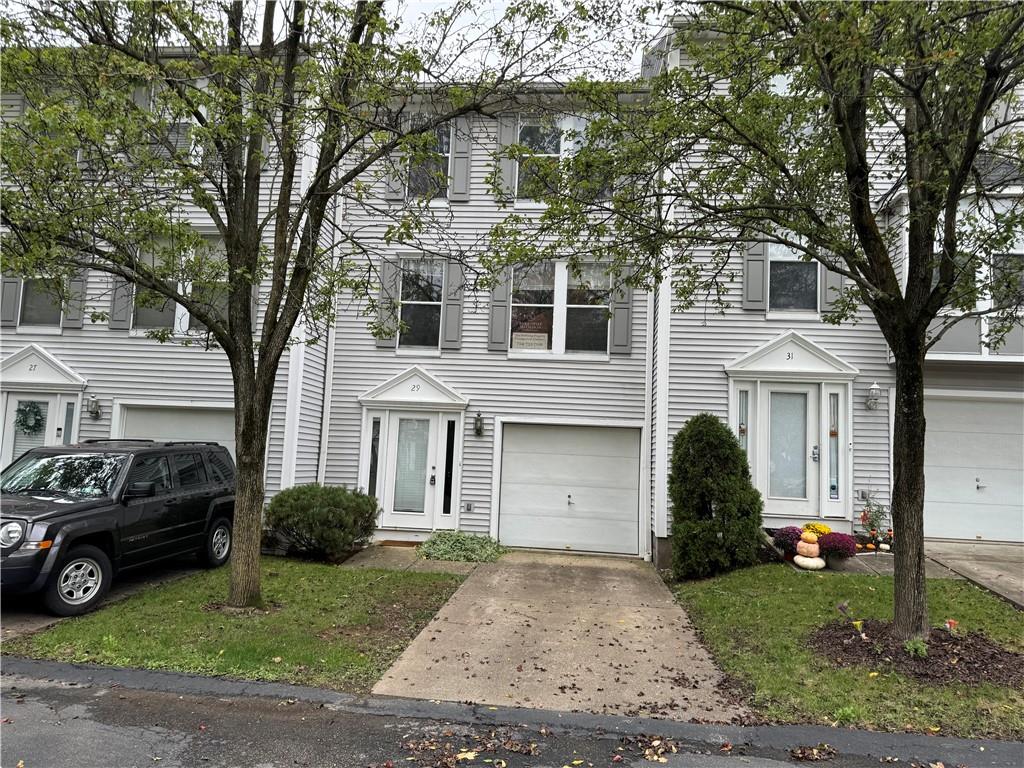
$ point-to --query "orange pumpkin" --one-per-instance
(809, 536)
(807, 549)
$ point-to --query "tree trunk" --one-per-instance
(910, 599)
(252, 417)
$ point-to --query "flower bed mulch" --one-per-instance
(971, 658)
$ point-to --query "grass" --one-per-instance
(756, 622)
(325, 626)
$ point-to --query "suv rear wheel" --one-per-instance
(80, 582)
(218, 543)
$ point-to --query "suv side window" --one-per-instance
(220, 467)
(190, 469)
(151, 469)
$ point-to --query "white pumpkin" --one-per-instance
(808, 563)
(884, 547)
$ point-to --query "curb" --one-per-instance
(874, 744)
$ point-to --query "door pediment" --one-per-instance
(32, 369)
(414, 388)
(790, 356)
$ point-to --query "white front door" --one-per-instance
(410, 485)
(32, 420)
(790, 450)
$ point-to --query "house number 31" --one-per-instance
(790, 355)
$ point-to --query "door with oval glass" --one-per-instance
(32, 419)
(790, 450)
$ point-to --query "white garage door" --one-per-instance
(974, 469)
(570, 488)
(179, 423)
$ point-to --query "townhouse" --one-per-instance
(540, 410)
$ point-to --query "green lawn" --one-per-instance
(756, 621)
(326, 626)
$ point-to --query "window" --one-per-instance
(428, 177)
(38, 304)
(422, 290)
(190, 469)
(212, 295)
(152, 310)
(151, 469)
(554, 310)
(792, 282)
(743, 418)
(371, 483)
(833, 446)
(539, 170)
(220, 467)
(1007, 283)
(533, 306)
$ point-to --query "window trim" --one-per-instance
(46, 330)
(439, 200)
(558, 322)
(418, 350)
(790, 314)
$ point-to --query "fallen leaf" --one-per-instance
(616, 758)
(726, 747)
(872, 674)
(277, 659)
(466, 756)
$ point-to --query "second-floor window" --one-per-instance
(554, 310)
(39, 307)
(421, 296)
(792, 282)
(538, 171)
(428, 177)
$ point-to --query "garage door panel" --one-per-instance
(598, 471)
(530, 500)
(614, 537)
(543, 465)
(570, 441)
(179, 423)
(946, 448)
(966, 415)
(972, 443)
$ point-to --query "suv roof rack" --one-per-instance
(191, 442)
(94, 440)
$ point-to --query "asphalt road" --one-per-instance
(50, 724)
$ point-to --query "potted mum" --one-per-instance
(836, 548)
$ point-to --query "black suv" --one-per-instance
(71, 516)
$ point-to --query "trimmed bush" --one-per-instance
(323, 522)
(461, 547)
(716, 511)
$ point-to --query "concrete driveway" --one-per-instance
(24, 614)
(564, 632)
(998, 568)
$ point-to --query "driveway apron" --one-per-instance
(564, 632)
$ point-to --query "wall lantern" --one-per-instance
(478, 425)
(874, 395)
(92, 406)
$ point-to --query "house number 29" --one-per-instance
(415, 388)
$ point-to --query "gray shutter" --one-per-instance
(394, 182)
(620, 327)
(388, 300)
(462, 150)
(120, 304)
(451, 310)
(10, 291)
(74, 313)
(831, 284)
(497, 331)
(508, 124)
(755, 277)
(254, 307)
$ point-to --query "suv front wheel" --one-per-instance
(218, 543)
(80, 582)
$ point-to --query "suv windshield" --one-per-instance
(84, 475)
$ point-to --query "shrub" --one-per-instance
(786, 539)
(322, 521)
(461, 547)
(818, 529)
(716, 511)
(837, 545)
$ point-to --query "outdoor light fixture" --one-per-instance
(92, 407)
(874, 394)
(478, 425)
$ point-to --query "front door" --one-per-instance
(30, 420)
(790, 450)
(410, 489)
